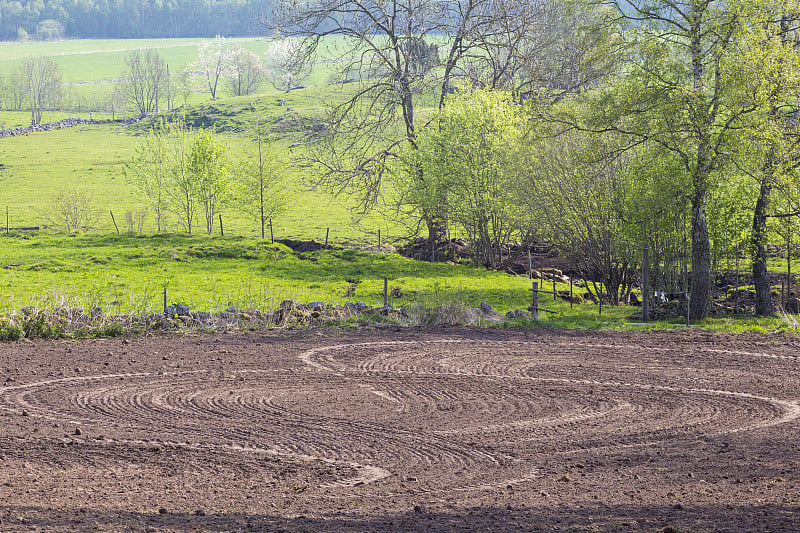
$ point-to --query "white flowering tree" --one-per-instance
(246, 73)
(287, 63)
(211, 64)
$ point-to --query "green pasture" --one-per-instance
(128, 273)
(36, 168)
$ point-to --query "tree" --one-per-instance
(466, 153)
(73, 209)
(210, 171)
(767, 76)
(261, 190)
(675, 92)
(43, 85)
(183, 186)
(246, 73)
(287, 63)
(145, 80)
(14, 90)
(380, 45)
(211, 64)
(579, 197)
(149, 172)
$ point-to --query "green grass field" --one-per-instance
(128, 273)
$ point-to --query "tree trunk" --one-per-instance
(760, 275)
(701, 259)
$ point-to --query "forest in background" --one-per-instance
(129, 19)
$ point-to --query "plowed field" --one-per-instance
(381, 430)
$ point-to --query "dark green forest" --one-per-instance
(56, 19)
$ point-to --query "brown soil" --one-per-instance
(424, 430)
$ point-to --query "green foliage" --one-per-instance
(461, 168)
(210, 170)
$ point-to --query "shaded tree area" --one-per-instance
(126, 19)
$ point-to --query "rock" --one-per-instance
(517, 313)
(199, 512)
(181, 309)
(78, 431)
(420, 509)
(162, 511)
(319, 126)
(565, 478)
(361, 307)
(95, 312)
(485, 307)
(287, 304)
(792, 305)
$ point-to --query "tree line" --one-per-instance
(125, 19)
(599, 127)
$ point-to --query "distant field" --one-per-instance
(90, 67)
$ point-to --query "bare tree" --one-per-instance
(73, 209)
(145, 80)
(246, 73)
(385, 47)
(262, 192)
(43, 85)
(14, 91)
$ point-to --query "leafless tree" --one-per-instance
(389, 53)
(42, 81)
(145, 80)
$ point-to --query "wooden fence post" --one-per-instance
(6, 219)
(271, 235)
(165, 299)
(327, 231)
(535, 300)
(554, 286)
(221, 230)
(385, 291)
(570, 292)
(114, 221)
(530, 264)
(379, 240)
(600, 299)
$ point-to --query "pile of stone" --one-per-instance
(50, 126)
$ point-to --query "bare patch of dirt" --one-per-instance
(423, 430)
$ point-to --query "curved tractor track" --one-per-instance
(401, 430)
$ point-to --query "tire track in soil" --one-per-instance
(621, 415)
(489, 401)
